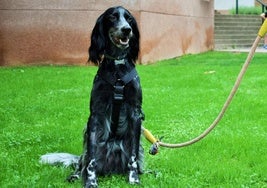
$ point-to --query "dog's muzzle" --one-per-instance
(121, 37)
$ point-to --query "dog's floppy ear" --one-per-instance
(134, 42)
(98, 42)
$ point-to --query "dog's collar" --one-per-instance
(120, 60)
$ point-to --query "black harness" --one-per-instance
(118, 85)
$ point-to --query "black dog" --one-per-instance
(112, 136)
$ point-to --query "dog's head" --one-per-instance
(115, 33)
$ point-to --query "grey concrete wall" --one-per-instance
(58, 31)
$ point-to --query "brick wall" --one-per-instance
(58, 31)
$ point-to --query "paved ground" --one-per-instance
(260, 49)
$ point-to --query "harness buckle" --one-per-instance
(118, 92)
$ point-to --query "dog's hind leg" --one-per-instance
(77, 173)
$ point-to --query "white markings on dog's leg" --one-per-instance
(133, 173)
(91, 175)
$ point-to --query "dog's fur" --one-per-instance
(112, 135)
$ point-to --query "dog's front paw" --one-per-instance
(91, 180)
(133, 171)
(91, 183)
(133, 177)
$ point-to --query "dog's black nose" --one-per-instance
(126, 30)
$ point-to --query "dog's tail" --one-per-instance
(64, 159)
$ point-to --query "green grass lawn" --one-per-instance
(247, 10)
(44, 109)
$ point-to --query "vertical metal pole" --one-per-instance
(236, 6)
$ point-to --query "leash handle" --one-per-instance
(148, 135)
(263, 29)
(155, 142)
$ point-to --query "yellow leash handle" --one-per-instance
(148, 135)
(263, 29)
(155, 142)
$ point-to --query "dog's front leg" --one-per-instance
(133, 165)
(91, 180)
(89, 163)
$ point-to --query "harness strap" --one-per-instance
(118, 91)
(129, 77)
(116, 108)
(125, 79)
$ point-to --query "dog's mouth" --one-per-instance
(120, 40)
(124, 41)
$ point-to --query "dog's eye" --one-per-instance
(112, 18)
(128, 18)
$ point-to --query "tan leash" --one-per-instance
(156, 143)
